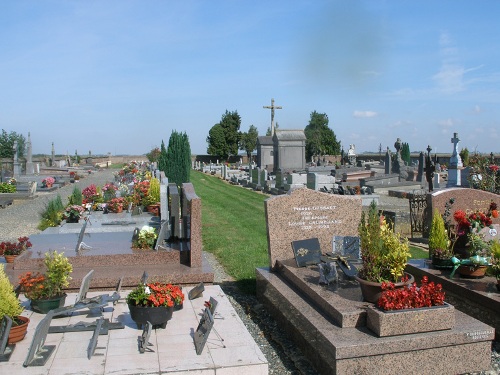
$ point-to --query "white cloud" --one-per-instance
(446, 123)
(364, 114)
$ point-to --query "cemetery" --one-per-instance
(143, 232)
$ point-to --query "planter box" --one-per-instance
(403, 322)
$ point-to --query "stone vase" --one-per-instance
(409, 321)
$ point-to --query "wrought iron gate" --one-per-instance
(418, 206)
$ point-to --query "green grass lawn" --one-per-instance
(234, 228)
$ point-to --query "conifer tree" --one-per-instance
(162, 159)
(178, 160)
(405, 153)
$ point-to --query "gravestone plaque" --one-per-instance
(163, 236)
(350, 248)
(5, 350)
(213, 305)
(80, 237)
(39, 353)
(203, 330)
(327, 273)
(144, 340)
(84, 287)
(93, 341)
(304, 213)
(144, 278)
(197, 291)
(307, 252)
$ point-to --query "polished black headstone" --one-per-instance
(39, 353)
(203, 330)
(307, 252)
(197, 291)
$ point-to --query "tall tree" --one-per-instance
(248, 140)
(405, 153)
(154, 154)
(320, 139)
(7, 144)
(162, 159)
(223, 138)
(178, 158)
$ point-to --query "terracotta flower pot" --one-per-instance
(18, 332)
(10, 258)
(472, 272)
(372, 291)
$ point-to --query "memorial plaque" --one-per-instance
(144, 340)
(93, 341)
(307, 252)
(5, 350)
(144, 278)
(39, 353)
(351, 247)
(84, 287)
(197, 291)
(327, 273)
(213, 305)
(80, 236)
(203, 330)
(163, 236)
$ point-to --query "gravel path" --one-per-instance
(22, 218)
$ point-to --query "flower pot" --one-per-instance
(10, 258)
(372, 291)
(72, 219)
(157, 316)
(179, 306)
(43, 306)
(409, 321)
(440, 263)
(17, 332)
(471, 271)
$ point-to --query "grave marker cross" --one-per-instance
(272, 107)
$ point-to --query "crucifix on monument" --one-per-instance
(272, 107)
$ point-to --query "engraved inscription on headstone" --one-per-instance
(39, 353)
(203, 330)
(197, 291)
(144, 340)
(327, 273)
(307, 252)
(5, 351)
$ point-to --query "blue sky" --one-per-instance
(119, 76)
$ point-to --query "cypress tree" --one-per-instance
(162, 159)
(178, 160)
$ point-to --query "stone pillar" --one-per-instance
(387, 162)
(53, 160)
(420, 167)
(456, 166)
(30, 170)
(17, 165)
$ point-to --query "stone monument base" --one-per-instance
(328, 323)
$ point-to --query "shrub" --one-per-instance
(76, 197)
(52, 216)
(5, 187)
(9, 303)
(438, 237)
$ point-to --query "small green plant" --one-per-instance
(495, 258)
(438, 237)
(52, 216)
(154, 189)
(9, 303)
(76, 197)
(5, 187)
(384, 253)
(146, 238)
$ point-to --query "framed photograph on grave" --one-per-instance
(307, 252)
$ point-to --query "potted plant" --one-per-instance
(146, 239)
(384, 255)
(73, 213)
(11, 250)
(440, 249)
(46, 290)
(116, 205)
(151, 302)
(424, 306)
(11, 306)
(48, 182)
(495, 261)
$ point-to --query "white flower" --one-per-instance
(147, 290)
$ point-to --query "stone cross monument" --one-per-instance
(456, 166)
(30, 169)
(272, 107)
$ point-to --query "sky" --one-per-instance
(119, 76)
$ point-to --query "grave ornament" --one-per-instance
(144, 339)
(5, 350)
(307, 252)
(197, 291)
(203, 330)
(327, 273)
(38, 353)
